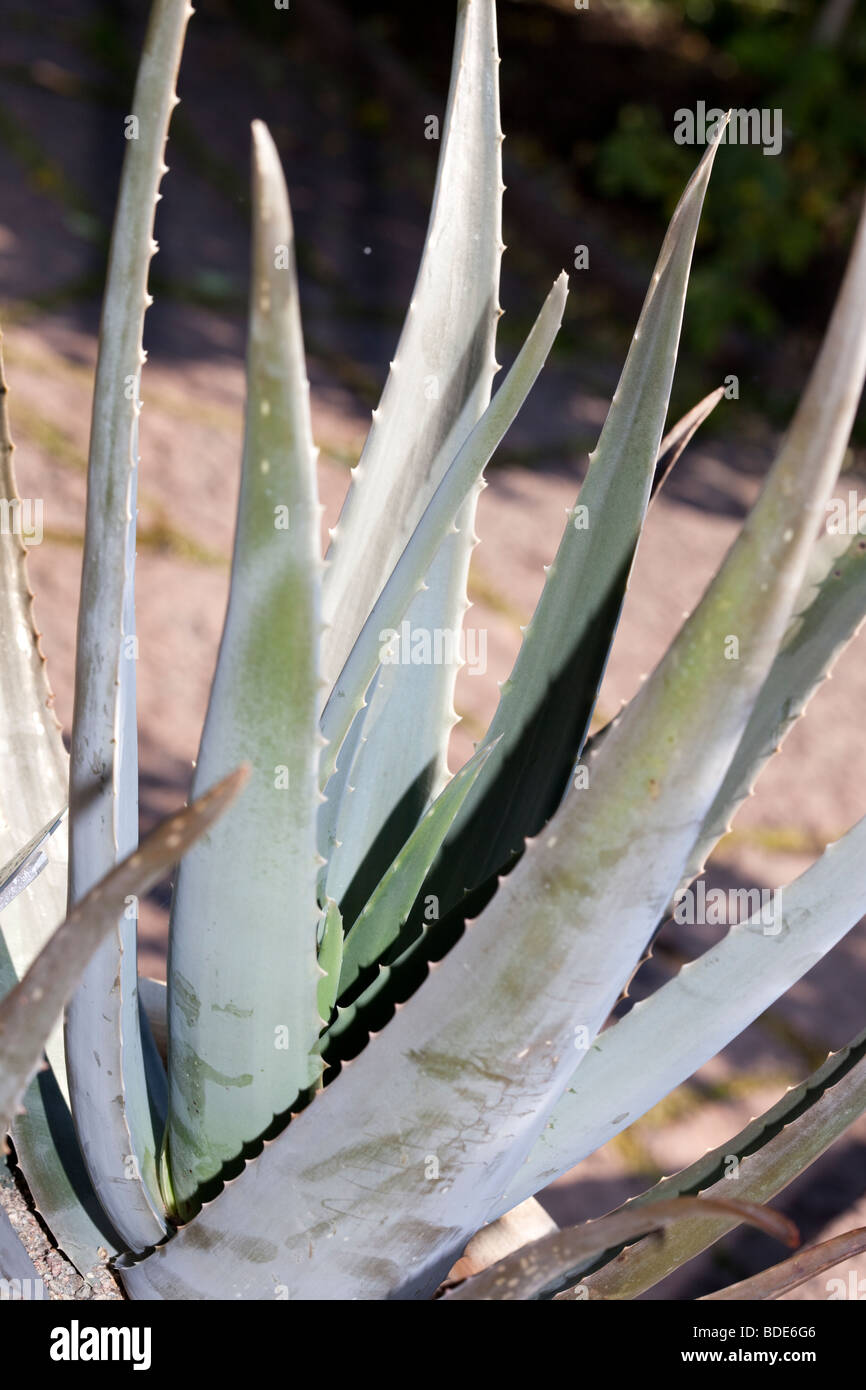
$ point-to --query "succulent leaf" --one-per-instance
(680, 436)
(338, 788)
(378, 926)
(407, 577)
(105, 1053)
(330, 957)
(827, 614)
(243, 978)
(34, 784)
(697, 1013)
(443, 951)
(440, 379)
(453, 1059)
(438, 387)
(651, 783)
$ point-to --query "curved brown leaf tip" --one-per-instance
(766, 1218)
(543, 1263)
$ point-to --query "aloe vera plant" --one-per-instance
(387, 985)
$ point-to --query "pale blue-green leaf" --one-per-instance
(242, 978)
(827, 613)
(337, 787)
(611, 849)
(330, 957)
(34, 784)
(104, 1050)
(441, 375)
(692, 1017)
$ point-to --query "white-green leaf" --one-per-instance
(34, 784)
(407, 578)
(438, 387)
(441, 375)
(827, 613)
(242, 983)
(103, 1030)
(697, 1013)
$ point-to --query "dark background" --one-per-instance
(588, 102)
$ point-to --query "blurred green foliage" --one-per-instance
(776, 226)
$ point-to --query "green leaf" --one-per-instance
(546, 704)
(378, 926)
(539, 1267)
(105, 1056)
(766, 1156)
(243, 978)
(438, 387)
(337, 788)
(330, 958)
(29, 1011)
